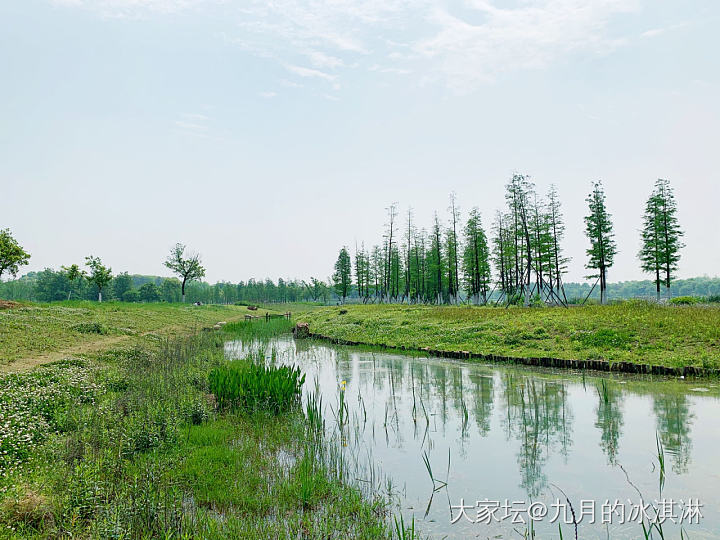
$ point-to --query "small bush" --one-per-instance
(90, 328)
(605, 337)
(683, 301)
(254, 386)
(131, 296)
(30, 508)
(714, 298)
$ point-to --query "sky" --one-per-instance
(267, 134)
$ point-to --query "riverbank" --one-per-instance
(34, 334)
(131, 443)
(638, 337)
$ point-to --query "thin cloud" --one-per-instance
(195, 124)
(308, 72)
(323, 60)
(461, 45)
(531, 36)
(655, 32)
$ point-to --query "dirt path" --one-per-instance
(101, 343)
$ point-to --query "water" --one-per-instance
(515, 435)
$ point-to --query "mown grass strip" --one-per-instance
(684, 339)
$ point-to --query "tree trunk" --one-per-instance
(99, 296)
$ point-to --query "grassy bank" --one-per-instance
(637, 332)
(131, 443)
(39, 329)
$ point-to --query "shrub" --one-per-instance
(683, 300)
(714, 298)
(131, 296)
(603, 338)
(255, 386)
(90, 328)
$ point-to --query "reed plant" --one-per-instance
(254, 386)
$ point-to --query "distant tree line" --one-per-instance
(520, 261)
(52, 285)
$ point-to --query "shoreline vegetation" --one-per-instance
(635, 336)
(145, 437)
(133, 442)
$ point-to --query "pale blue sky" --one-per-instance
(266, 135)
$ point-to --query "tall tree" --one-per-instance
(661, 236)
(558, 262)
(12, 255)
(187, 267)
(435, 264)
(377, 271)
(361, 273)
(396, 273)
(599, 230)
(408, 256)
(501, 252)
(513, 239)
(342, 278)
(99, 275)
(389, 244)
(475, 262)
(452, 249)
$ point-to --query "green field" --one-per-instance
(635, 331)
(131, 443)
(38, 329)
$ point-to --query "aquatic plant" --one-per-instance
(254, 386)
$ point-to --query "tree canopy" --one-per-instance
(599, 230)
(187, 267)
(661, 236)
(342, 278)
(12, 255)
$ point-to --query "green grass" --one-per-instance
(44, 328)
(130, 443)
(634, 331)
(255, 386)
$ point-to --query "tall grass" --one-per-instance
(254, 386)
(258, 329)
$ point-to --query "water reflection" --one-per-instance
(674, 423)
(540, 419)
(609, 418)
(511, 432)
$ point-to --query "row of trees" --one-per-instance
(52, 285)
(96, 280)
(96, 275)
(525, 249)
(444, 264)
